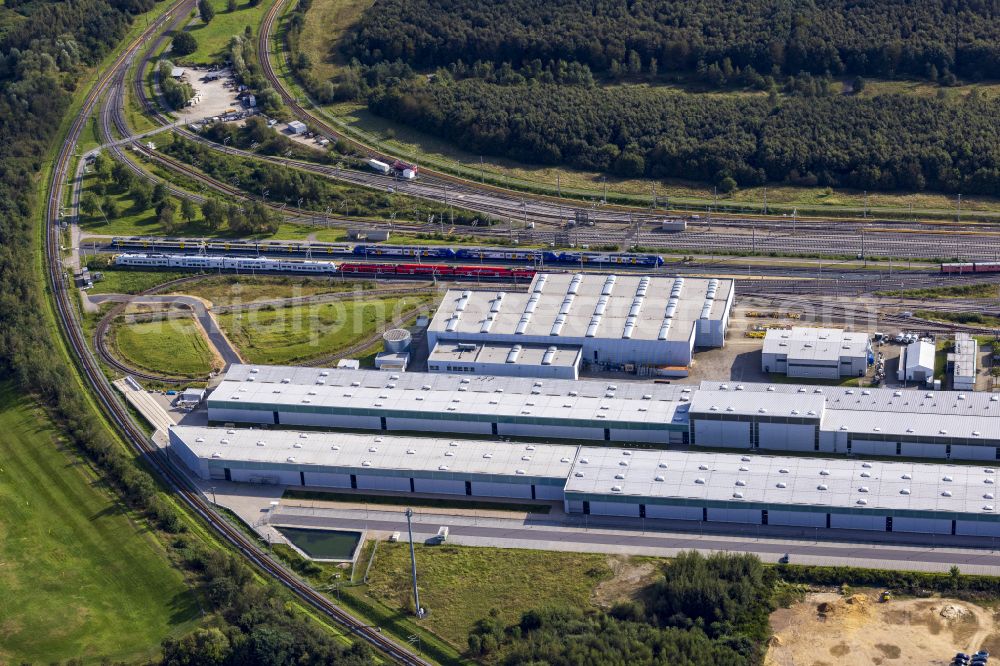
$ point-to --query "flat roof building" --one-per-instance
(641, 483)
(616, 320)
(963, 362)
(880, 422)
(375, 461)
(726, 415)
(480, 404)
(392, 361)
(816, 353)
(916, 362)
(794, 491)
(503, 359)
(296, 127)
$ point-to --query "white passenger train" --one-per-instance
(202, 262)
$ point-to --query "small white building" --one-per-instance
(392, 361)
(348, 364)
(191, 397)
(963, 362)
(916, 362)
(816, 353)
(297, 127)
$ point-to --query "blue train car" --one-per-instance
(404, 251)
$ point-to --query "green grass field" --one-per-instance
(296, 333)
(79, 579)
(235, 289)
(131, 282)
(173, 347)
(460, 585)
(213, 38)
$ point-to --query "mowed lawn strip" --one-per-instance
(174, 347)
(299, 332)
(78, 578)
(459, 585)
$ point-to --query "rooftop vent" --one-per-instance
(822, 486)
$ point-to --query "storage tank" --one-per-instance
(396, 340)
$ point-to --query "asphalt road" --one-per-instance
(892, 552)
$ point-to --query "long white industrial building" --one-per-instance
(679, 485)
(781, 417)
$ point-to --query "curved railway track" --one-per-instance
(112, 404)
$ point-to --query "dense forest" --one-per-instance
(549, 83)
(704, 610)
(45, 51)
(868, 37)
(884, 142)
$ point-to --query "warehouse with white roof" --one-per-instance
(816, 353)
(912, 423)
(474, 404)
(618, 321)
(375, 462)
(793, 491)
(779, 417)
(678, 485)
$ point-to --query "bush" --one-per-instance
(183, 44)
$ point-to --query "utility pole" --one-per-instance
(958, 213)
(866, 205)
(482, 170)
(413, 564)
(604, 180)
(765, 201)
(558, 187)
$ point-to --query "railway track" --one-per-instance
(973, 242)
(116, 411)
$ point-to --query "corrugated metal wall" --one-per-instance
(787, 436)
(397, 483)
(444, 486)
(796, 518)
(730, 434)
(328, 480)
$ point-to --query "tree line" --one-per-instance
(45, 50)
(885, 142)
(891, 38)
(306, 190)
(702, 610)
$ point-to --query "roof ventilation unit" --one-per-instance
(514, 352)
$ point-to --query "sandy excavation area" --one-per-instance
(827, 629)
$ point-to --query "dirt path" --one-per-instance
(827, 629)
